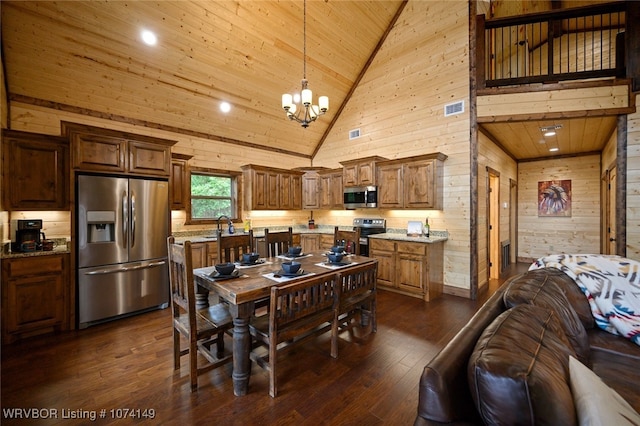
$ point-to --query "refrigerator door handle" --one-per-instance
(133, 219)
(126, 269)
(125, 219)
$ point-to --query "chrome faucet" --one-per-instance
(229, 222)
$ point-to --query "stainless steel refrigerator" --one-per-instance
(122, 229)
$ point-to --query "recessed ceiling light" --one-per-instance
(225, 107)
(553, 149)
(550, 130)
(148, 37)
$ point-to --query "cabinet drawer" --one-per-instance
(412, 248)
(33, 265)
(387, 245)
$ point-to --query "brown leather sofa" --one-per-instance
(546, 320)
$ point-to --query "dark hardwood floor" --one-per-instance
(127, 364)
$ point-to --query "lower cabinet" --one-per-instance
(310, 242)
(204, 254)
(411, 268)
(35, 296)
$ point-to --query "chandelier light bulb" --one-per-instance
(287, 101)
(306, 96)
(323, 103)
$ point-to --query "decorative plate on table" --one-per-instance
(282, 273)
(257, 262)
(219, 277)
(337, 263)
(293, 256)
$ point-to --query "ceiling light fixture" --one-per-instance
(307, 112)
(550, 130)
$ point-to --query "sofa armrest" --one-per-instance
(444, 394)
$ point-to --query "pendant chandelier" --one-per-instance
(306, 112)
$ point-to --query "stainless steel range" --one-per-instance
(368, 226)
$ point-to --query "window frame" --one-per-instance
(236, 196)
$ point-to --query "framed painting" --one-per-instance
(554, 198)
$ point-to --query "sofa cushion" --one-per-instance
(518, 372)
(571, 290)
(543, 292)
(596, 403)
(444, 392)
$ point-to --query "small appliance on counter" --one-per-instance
(26, 235)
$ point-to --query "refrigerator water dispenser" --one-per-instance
(101, 226)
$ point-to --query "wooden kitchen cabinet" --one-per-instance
(290, 187)
(105, 150)
(199, 257)
(311, 190)
(35, 296)
(331, 189)
(179, 185)
(360, 172)
(35, 171)
(391, 188)
(310, 242)
(411, 183)
(267, 188)
(410, 268)
(326, 241)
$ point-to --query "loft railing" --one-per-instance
(570, 44)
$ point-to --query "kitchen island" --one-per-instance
(411, 265)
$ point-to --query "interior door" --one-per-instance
(610, 219)
(494, 225)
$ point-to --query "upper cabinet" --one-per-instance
(360, 172)
(268, 188)
(331, 189)
(179, 185)
(411, 183)
(35, 171)
(105, 150)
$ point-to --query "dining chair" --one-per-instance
(357, 296)
(278, 242)
(348, 236)
(299, 310)
(204, 329)
(231, 247)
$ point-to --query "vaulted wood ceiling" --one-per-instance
(87, 56)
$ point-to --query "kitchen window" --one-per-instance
(212, 194)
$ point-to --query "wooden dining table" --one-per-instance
(253, 284)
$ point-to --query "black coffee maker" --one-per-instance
(27, 235)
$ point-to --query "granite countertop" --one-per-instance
(59, 249)
(434, 237)
(209, 236)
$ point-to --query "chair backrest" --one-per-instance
(358, 282)
(181, 279)
(278, 242)
(300, 301)
(231, 247)
(348, 236)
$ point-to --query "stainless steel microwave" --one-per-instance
(356, 197)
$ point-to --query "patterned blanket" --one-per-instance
(612, 287)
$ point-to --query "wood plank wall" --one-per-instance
(580, 233)
(633, 183)
(398, 108)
